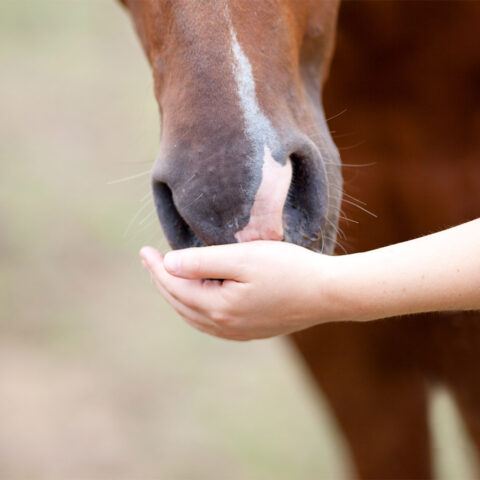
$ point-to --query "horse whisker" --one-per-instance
(336, 229)
(323, 241)
(153, 212)
(348, 165)
(348, 219)
(145, 227)
(337, 243)
(351, 197)
(145, 197)
(131, 177)
(195, 200)
(139, 211)
(352, 164)
(360, 207)
(352, 146)
(342, 135)
(337, 115)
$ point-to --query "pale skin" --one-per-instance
(275, 288)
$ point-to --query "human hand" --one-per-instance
(274, 288)
(268, 288)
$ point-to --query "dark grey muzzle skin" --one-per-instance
(204, 191)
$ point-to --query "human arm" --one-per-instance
(437, 272)
(274, 288)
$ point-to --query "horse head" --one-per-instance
(245, 152)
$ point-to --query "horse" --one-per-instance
(246, 153)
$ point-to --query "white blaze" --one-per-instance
(258, 127)
(266, 216)
(267, 212)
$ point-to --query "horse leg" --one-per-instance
(379, 400)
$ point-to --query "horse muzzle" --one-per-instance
(243, 194)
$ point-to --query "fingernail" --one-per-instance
(172, 262)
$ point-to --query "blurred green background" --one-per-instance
(99, 379)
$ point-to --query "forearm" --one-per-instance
(432, 273)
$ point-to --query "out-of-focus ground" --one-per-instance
(99, 379)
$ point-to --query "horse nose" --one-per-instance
(272, 195)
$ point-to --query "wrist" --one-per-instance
(377, 283)
(356, 284)
(338, 296)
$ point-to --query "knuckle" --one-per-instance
(195, 264)
(198, 260)
(220, 317)
(236, 298)
(190, 262)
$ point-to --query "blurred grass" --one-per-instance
(98, 378)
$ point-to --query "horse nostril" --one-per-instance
(177, 230)
(305, 207)
(297, 185)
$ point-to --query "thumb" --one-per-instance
(224, 262)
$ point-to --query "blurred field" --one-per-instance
(98, 378)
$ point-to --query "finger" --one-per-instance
(196, 319)
(154, 266)
(153, 260)
(217, 262)
(196, 294)
(192, 317)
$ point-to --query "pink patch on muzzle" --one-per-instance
(267, 211)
